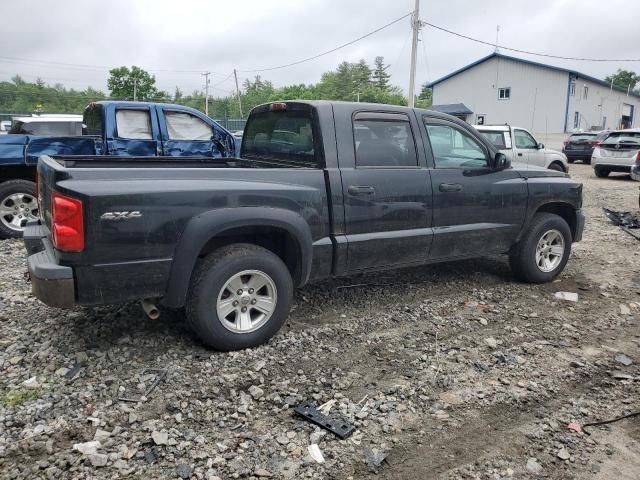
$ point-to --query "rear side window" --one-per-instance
(93, 120)
(184, 126)
(135, 124)
(497, 138)
(386, 141)
(280, 135)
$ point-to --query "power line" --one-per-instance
(328, 51)
(527, 52)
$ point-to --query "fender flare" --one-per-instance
(202, 228)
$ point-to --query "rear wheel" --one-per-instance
(18, 205)
(239, 297)
(543, 251)
(571, 160)
(601, 172)
(556, 166)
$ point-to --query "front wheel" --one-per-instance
(18, 205)
(557, 167)
(239, 297)
(543, 251)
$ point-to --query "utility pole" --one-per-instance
(135, 89)
(206, 92)
(497, 36)
(235, 74)
(415, 25)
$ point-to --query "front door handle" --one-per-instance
(519, 154)
(361, 190)
(450, 187)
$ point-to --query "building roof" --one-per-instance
(530, 62)
(452, 109)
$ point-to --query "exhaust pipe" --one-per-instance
(150, 309)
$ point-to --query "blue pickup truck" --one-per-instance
(131, 129)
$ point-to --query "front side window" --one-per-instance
(524, 140)
(134, 124)
(385, 142)
(280, 135)
(497, 138)
(452, 147)
(185, 126)
(504, 93)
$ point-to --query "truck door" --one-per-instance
(185, 134)
(134, 132)
(386, 187)
(526, 144)
(477, 210)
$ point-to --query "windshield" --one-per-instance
(623, 137)
(281, 135)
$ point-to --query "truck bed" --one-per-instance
(101, 161)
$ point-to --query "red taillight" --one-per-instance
(595, 143)
(638, 158)
(67, 224)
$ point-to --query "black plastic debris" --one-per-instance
(625, 220)
(340, 427)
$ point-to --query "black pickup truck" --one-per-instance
(321, 189)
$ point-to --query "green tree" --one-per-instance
(125, 84)
(425, 99)
(177, 95)
(380, 75)
(623, 79)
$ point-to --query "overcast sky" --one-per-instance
(169, 37)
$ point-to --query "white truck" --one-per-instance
(520, 146)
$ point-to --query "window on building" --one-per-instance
(604, 122)
(572, 89)
(134, 124)
(504, 93)
(384, 140)
(576, 120)
(585, 92)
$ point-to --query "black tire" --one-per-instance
(587, 161)
(601, 172)
(7, 189)
(523, 258)
(210, 276)
(571, 160)
(558, 167)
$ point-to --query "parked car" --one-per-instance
(617, 153)
(520, 146)
(48, 124)
(110, 128)
(580, 145)
(229, 238)
(5, 126)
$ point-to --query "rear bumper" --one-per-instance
(635, 172)
(577, 154)
(51, 283)
(580, 221)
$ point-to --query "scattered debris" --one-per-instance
(98, 459)
(326, 407)
(261, 472)
(624, 309)
(87, 448)
(374, 458)
(574, 427)
(491, 342)
(563, 454)
(606, 422)
(567, 296)
(31, 383)
(340, 427)
(152, 455)
(623, 359)
(618, 375)
(533, 466)
(625, 220)
(315, 453)
(160, 373)
(184, 471)
(73, 372)
(160, 438)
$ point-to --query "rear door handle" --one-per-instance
(361, 190)
(450, 187)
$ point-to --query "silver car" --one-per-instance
(616, 153)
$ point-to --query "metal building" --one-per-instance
(545, 99)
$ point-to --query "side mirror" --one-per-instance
(501, 162)
(540, 146)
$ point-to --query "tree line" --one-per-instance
(357, 81)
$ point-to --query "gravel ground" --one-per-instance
(447, 371)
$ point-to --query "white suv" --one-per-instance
(521, 147)
(616, 153)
